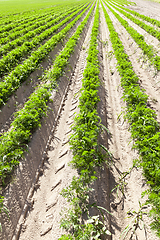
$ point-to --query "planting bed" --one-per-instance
(84, 90)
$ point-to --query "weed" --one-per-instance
(137, 222)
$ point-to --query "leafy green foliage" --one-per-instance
(86, 153)
(136, 222)
(32, 31)
(151, 30)
(139, 39)
(21, 30)
(14, 143)
(146, 18)
(8, 62)
(22, 71)
(124, 2)
(143, 124)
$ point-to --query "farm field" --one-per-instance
(79, 120)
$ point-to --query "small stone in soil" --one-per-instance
(114, 205)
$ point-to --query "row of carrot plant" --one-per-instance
(19, 31)
(8, 36)
(86, 153)
(143, 125)
(21, 17)
(144, 17)
(151, 30)
(22, 71)
(12, 21)
(139, 39)
(14, 143)
(8, 62)
(24, 20)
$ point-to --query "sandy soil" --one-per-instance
(148, 8)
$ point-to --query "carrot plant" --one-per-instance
(146, 18)
(14, 143)
(31, 31)
(139, 39)
(20, 29)
(151, 30)
(143, 125)
(137, 222)
(22, 71)
(30, 23)
(12, 22)
(86, 153)
(8, 62)
(3, 209)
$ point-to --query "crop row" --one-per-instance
(86, 152)
(139, 39)
(30, 16)
(25, 16)
(22, 71)
(21, 29)
(12, 58)
(151, 30)
(20, 26)
(143, 124)
(13, 143)
(8, 43)
(21, 22)
(146, 18)
(124, 2)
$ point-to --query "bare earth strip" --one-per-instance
(148, 8)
